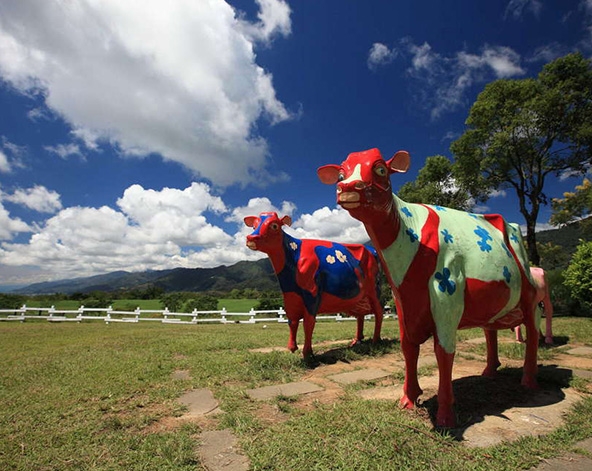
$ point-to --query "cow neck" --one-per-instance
(383, 226)
(284, 256)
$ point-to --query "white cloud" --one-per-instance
(10, 226)
(65, 150)
(330, 224)
(149, 229)
(180, 81)
(380, 55)
(37, 198)
(442, 82)
(4, 165)
(516, 8)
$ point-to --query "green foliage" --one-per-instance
(578, 276)
(435, 184)
(521, 131)
(11, 301)
(269, 300)
(201, 302)
(574, 205)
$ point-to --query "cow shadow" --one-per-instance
(348, 354)
(477, 397)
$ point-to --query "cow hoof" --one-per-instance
(292, 348)
(549, 340)
(406, 403)
(355, 342)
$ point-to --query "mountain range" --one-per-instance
(256, 275)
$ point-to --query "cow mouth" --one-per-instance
(252, 245)
(349, 199)
(350, 205)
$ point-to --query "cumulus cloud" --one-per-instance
(380, 55)
(517, 8)
(37, 198)
(4, 165)
(10, 226)
(330, 224)
(180, 81)
(65, 150)
(441, 82)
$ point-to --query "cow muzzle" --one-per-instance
(252, 244)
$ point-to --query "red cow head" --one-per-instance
(363, 180)
(268, 234)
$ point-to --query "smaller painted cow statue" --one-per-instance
(318, 276)
(543, 298)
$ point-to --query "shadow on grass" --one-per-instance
(347, 354)
(478, 396)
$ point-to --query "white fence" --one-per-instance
(163, 316)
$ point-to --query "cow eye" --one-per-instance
(340, 177)
(381, 171)
(274, 226)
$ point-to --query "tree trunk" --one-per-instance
(533, 253)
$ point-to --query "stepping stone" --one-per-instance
(584, 351)
(287, 389)
(180, 375)
(199, 401)
(351, 377)
(586, 374)
(219, 451)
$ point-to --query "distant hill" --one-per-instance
(257, 275)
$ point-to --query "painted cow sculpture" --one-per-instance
(448, 270)
(542, 298)
(318, 276)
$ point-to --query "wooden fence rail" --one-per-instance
(163, 316)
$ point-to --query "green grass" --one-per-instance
(88, 396)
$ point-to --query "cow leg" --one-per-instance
(359, 329)
(378, 315)
(493, 362)
(530, 368)
(445, 416)
(309, 324)
(411, 389)
(518, 330)
(293, 322)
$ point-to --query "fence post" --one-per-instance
(281, 313)
(137, 312)
(165, 313)
(23, 312)
(79, 315)
(194, 312)
(51, 312)
(223, 315)
(252, 318)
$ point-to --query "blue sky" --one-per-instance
(136, 135)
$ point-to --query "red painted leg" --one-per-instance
(309, 323)
(493, 362)
(293, 324)
(359, 330)
(445, 416)
(518, 330)
(411, 389)
(530, 368)
(378, 314)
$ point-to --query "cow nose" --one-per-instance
(359, 185)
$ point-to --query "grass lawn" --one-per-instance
(88, 396)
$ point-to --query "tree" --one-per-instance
(573, 206)
(521, 131)
(269, 300)
(578, 276)
(201, 302)
(435, 184)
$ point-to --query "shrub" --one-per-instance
(578, 276)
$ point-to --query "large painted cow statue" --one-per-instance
(318, 276)
(448, 270)
(543, 299)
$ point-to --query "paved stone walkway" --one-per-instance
(539, 415)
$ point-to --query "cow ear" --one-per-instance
(328, 174)
(399, 162)
(251, 221)
(287, 220)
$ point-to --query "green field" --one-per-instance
(91, 396)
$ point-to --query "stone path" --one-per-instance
(535, 413)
